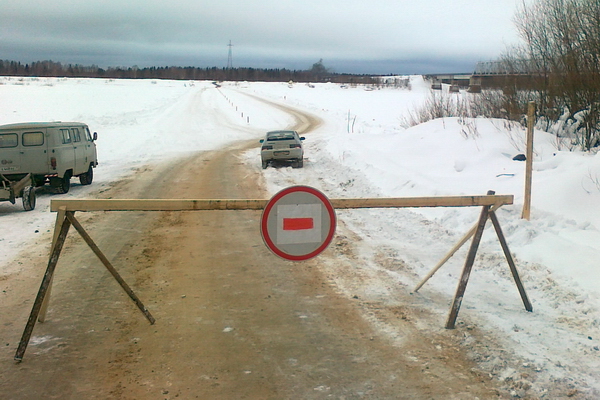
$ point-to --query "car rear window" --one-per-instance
(281, 136)
(8, 140)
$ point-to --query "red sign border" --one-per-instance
(271, 203)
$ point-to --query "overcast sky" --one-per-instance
(357, 36)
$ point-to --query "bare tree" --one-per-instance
(562, 46)
(319, 70)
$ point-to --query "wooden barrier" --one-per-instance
(210, 204)
(66, 218)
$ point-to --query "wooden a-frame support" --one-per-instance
(66, 217)
(64, 221)
(487, 212)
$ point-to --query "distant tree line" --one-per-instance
(318, 73)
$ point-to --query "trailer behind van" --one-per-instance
(51, 152)
(11, 190)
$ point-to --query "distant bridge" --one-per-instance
(490, 74)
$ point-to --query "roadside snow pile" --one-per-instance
(455, 156)
(557, 251)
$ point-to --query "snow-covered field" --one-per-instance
(361, 150)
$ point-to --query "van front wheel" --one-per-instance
(88, 177)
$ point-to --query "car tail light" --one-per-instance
(53, 162)
(295, 146)
(267, 148)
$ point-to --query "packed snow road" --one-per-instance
(233, 320)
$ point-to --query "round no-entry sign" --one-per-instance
(298, 223)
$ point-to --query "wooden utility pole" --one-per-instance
(529, 161)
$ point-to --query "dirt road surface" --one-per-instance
(233, 321)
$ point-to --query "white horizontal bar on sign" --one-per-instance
(240, 204)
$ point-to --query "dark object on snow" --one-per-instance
(520, 157)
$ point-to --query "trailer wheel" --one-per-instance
(29, 198)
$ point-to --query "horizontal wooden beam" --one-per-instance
(416, 202)
(206, 204)
(156, 205)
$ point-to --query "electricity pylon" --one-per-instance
(230, 57)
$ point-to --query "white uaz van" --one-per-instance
(52, 152)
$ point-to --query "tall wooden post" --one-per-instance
(529, 161)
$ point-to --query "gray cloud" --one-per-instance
(361, 36)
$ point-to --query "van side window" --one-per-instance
(88, 136)
(8, 140)
(75, 135)
(66, 136)
(33, 139)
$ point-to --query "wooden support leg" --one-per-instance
(458, 245)
(60, 217)
(511, 263)
(108, 265)
(37, 305)
(462, 284)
